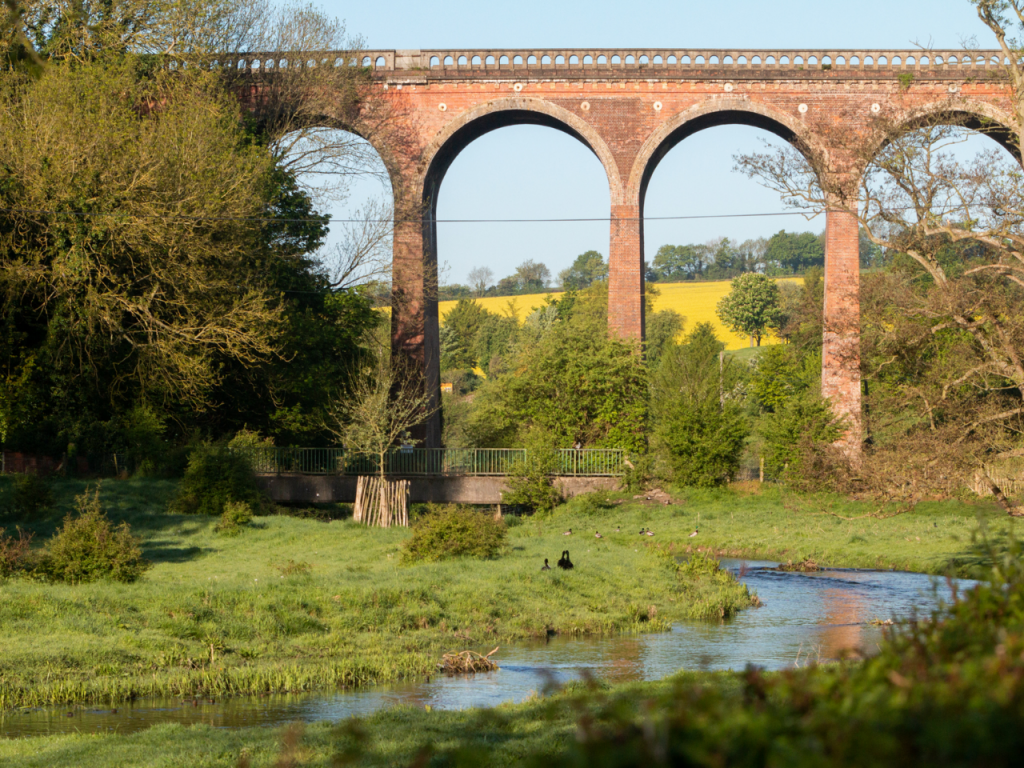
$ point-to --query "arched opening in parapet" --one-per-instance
(705, 222)
(504, 190)
(345, 178)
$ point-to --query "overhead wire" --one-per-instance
(306, 220)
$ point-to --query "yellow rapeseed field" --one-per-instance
(694, 301)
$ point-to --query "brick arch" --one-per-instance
(489, 116)
(974, 115)
(709, 114)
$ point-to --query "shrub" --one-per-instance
(529, 481)
(215, 476)
(793, 429)
(455, 531)
(87, 547)
(30, 495)
(236, 516)
(13, 551)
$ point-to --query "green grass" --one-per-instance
(509, 733)
(295, 604)
(769, 523)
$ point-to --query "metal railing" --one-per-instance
(443, 462)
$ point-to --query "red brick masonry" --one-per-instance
(630, 107)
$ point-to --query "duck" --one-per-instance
(568, 533)
(650, 532)
(643, 531)
(546, 566)
(616, 529)
(597, 535)
(565, 563)
(695, 532)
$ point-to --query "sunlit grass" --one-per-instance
(233, 615)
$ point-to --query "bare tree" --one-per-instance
(480, 278)
(386, 401)
(961, 222)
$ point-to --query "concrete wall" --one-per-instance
(309, 489)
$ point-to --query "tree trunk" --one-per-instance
(381, 502)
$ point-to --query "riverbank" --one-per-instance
(301, 604)
(511, 734)
(766, 522)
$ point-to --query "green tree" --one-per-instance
(752, 306)
(569, 379)
(699, 428)
(587, 268)
(680, 262)
(461, 325)
(794, 252)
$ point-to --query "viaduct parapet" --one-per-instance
(630, 107)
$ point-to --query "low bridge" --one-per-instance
(630, 107)
(463, 476)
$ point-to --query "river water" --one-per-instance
(806, 617)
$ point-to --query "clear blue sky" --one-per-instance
(533, 172)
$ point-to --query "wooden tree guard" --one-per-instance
(381, 502)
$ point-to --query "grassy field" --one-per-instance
(299, 604)
(694, 301)
(237, 615)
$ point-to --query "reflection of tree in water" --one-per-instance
(842, 625)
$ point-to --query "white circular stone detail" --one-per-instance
(657, 106)
(876, 108)
(443, 107)
(802, 109)
(585, 106)
(954, 89)
(729, 87)
(517, 87)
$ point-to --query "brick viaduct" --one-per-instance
(630, 107)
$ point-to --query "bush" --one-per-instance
(13, 552)
(455, 531)
(87, 547)
(215, 476)
(30, 494)
(791, 433)
(529, 481)
(237, 515)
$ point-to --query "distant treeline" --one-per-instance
(784, 253)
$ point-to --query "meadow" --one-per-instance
(696, 301)
(298, 604)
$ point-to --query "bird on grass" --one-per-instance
(695, 532)
(650, 532)
(564, 562)
(546, 566)
(568, 533)
(643, 531)
(598, 535)
(616, 529)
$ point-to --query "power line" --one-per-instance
(269, 219)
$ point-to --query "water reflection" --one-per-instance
(806, 617)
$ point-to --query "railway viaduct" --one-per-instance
(630, 107)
